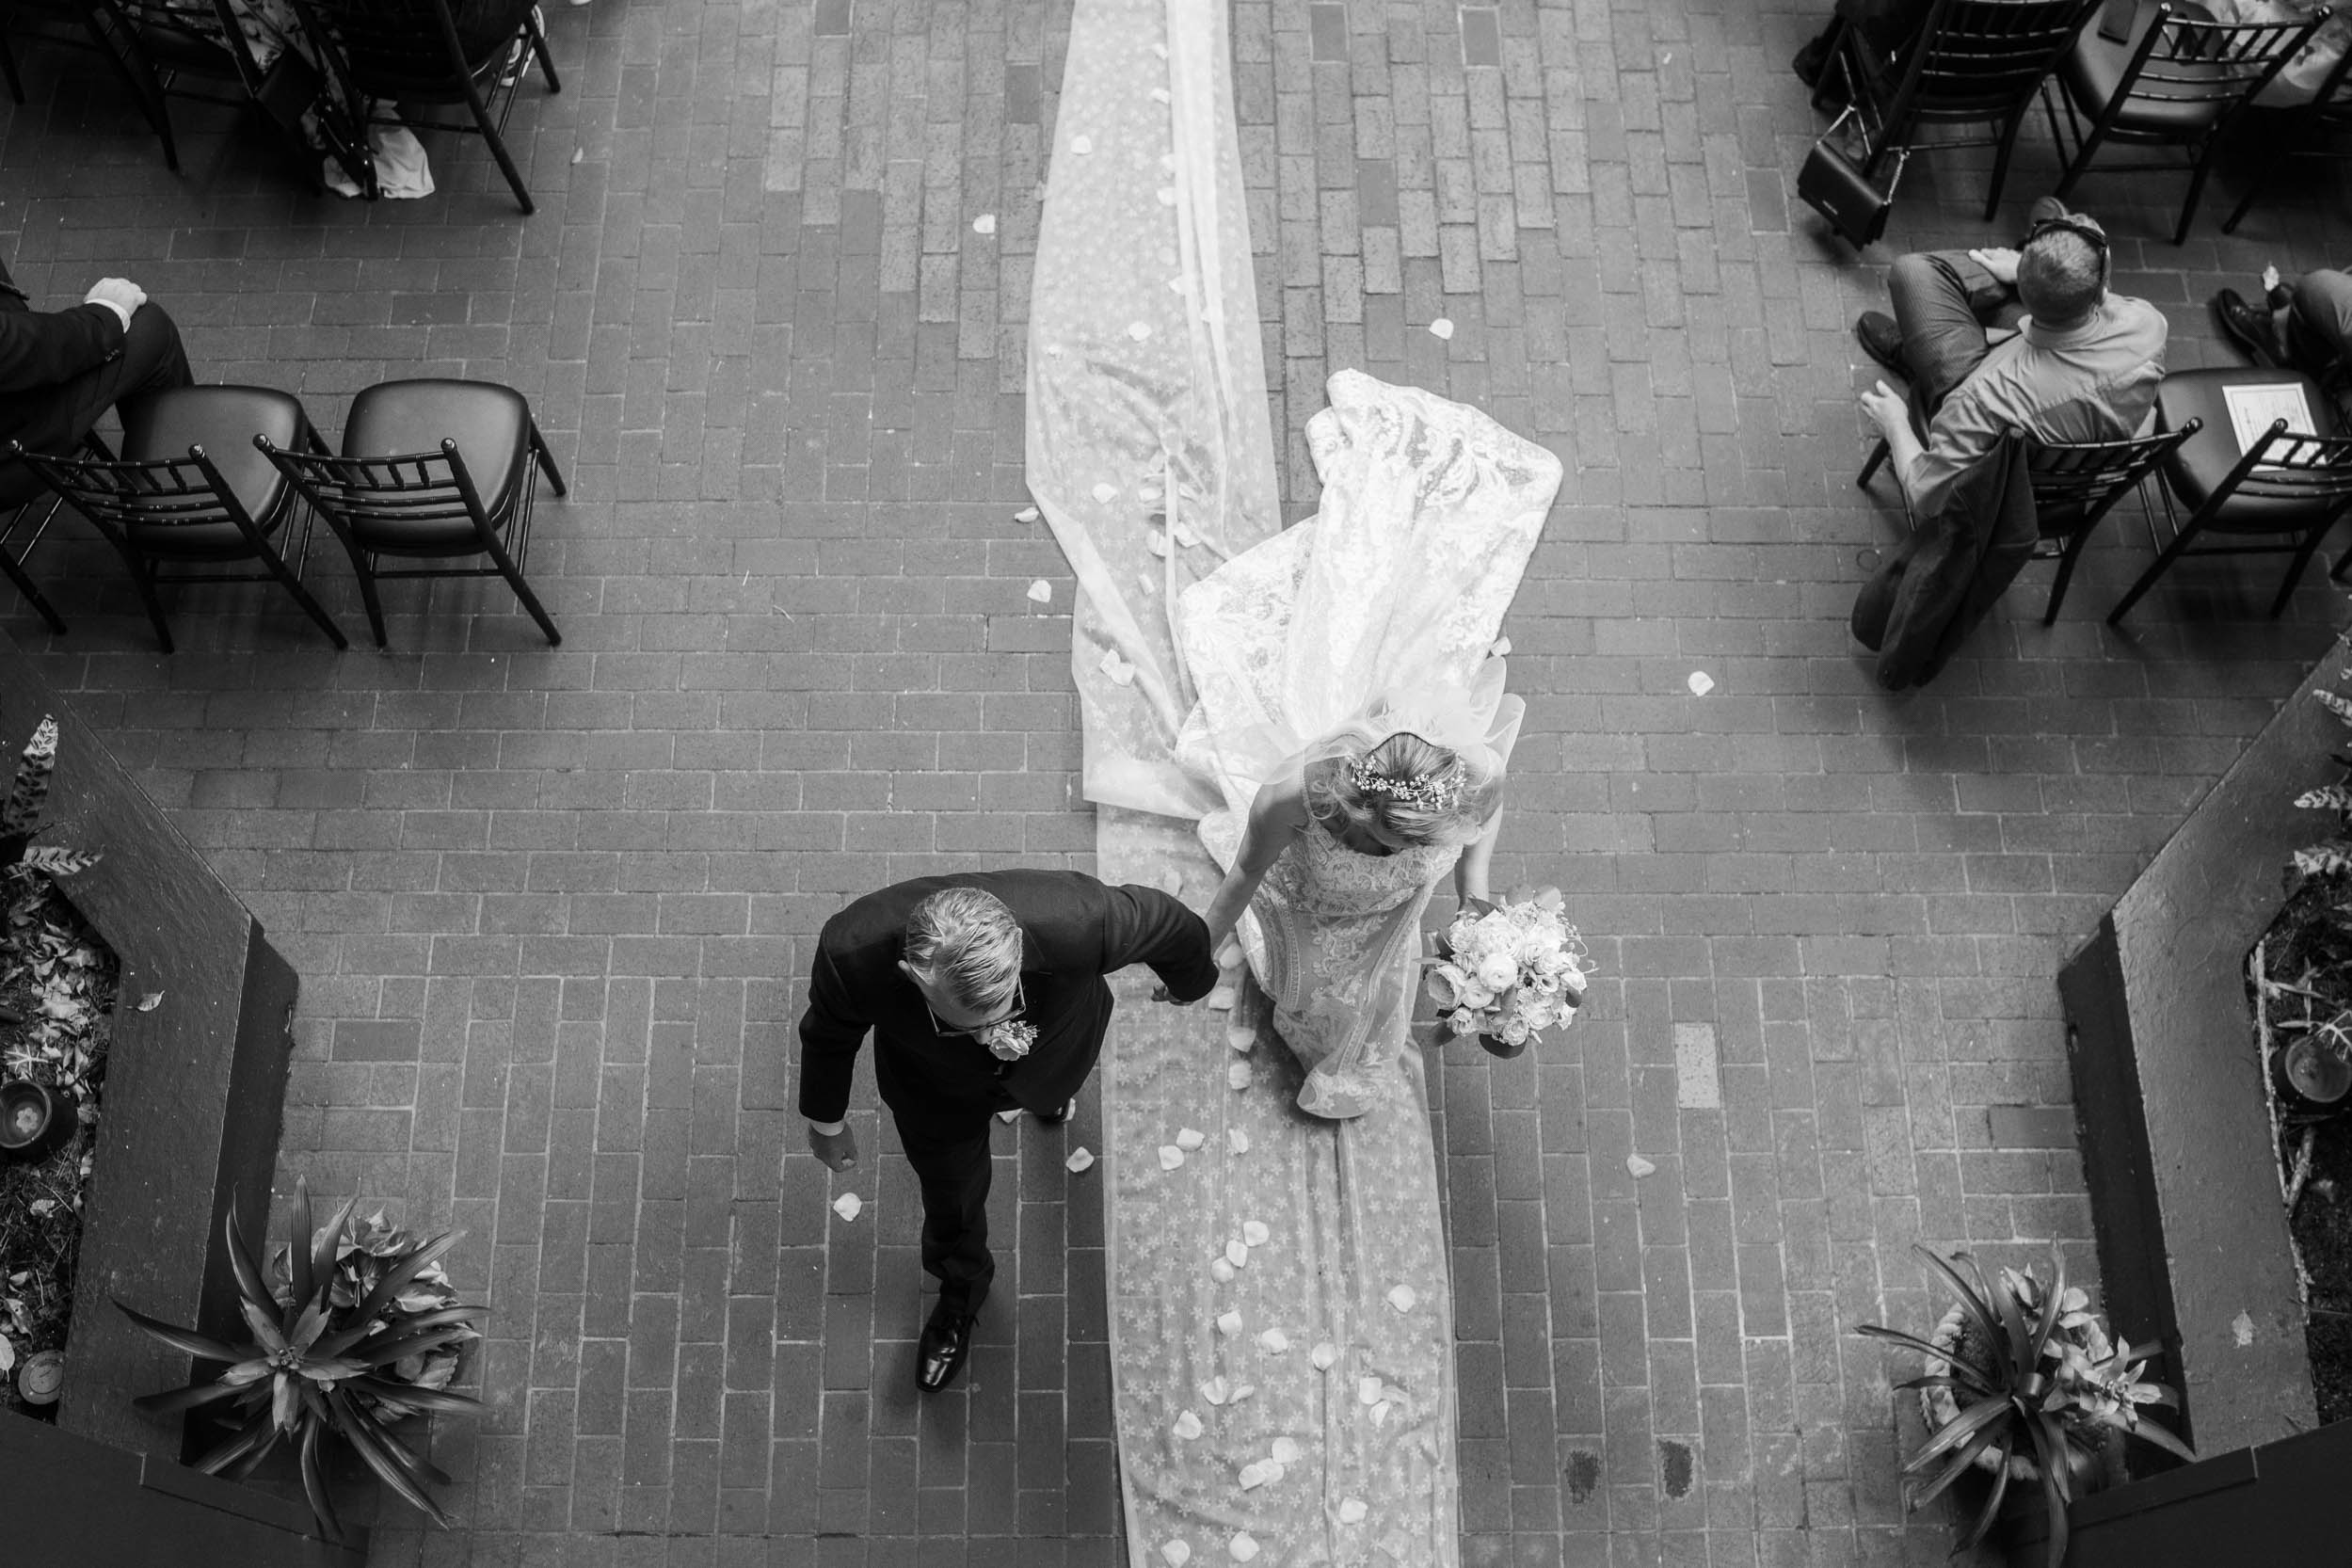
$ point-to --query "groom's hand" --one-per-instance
(838, 1150)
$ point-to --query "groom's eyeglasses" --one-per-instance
(1021, 1006)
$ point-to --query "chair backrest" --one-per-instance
(394, 48)
(151, 497)
(2313, 472)
(1976, 59)
(2075, 482)
(383, 503)
(2185, 61)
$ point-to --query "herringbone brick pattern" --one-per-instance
(549, 906)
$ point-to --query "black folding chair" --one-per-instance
(398, 492)
(101, 27)
(2321, 129)
(1974, 62)
(2077, 483)
(390, 53)
(219, 502)
(2173, 82)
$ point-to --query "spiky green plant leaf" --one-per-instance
(30, 788)
(2327, 797)
(56, 861)
(2325, 859)
(2334, 702)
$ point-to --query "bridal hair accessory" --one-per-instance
(1008, 1041)
(1508, 970)
(1428, 793)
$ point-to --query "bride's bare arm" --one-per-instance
(1471, 870)
(1276, 817)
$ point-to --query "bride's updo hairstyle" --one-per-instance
(1412, 788)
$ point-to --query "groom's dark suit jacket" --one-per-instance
(1075, 930)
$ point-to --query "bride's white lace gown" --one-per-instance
(1384, 609)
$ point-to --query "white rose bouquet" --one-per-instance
(1507, 971)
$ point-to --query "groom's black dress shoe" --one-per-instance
(1058, 1118)
(947, 1339)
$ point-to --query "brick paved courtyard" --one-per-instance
(548, 905)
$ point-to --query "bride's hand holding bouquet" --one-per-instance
(1508, 971)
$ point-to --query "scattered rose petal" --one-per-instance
(1323, 1355)
(1402, 1298)
(1229, 957)
(1236, 1140)
(1238, 1075)
(1238, 1254)
(1242, 1391)
(1081, 1159)
(1255, 1232)
(1441, 327)
(1183, 534)
(1176, 284)
(1157, 542)
(1229, 1323)
(1105, 492)
(1215, 1391)
(1257, 1473)
(1220, 1270)
(1367, 1391)
(1243, 1547)
(1170, 1157)
(1172, 882)
(1027, 514)
(1379, 1413)
(1240, 1037)
(1637, 1167)
(1351, 1511)
(1188, 1426)
(149, 1003)
(42, 1205)
(1176, 1552)
(1221, 999)
(1053, 350)
(985, 224)
(1501, 647)
(1139, 331)
(1275, 1340)
(1701, 683)
(848, 1206)
(1167, 196)
(1119, 671)
(1081, 145)
(1041, 592)
(578, 153)
(1188, 1139)
(1148, 490)
(1159, 95)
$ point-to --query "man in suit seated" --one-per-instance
(62, 369)
(2304, 325)
(984, 993)
(1998, 338)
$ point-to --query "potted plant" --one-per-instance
(361, 1334)
(2022, 1380)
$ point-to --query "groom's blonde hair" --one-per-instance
(967, 942)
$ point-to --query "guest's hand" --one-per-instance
(121, 292)
(2000, 261)
(838, 1151)
(1886, 410)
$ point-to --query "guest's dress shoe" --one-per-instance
(1883, 341)
(2248, 326)
(1058, 1118)
(947, 1339)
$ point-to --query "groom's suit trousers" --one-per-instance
(950, 1159)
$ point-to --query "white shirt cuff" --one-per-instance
(121, 314)
(831, 1129)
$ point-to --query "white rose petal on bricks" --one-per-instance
(1177, 1554)
(1323, 1355)
(1222, 999)
(1008, 1118)
(1240, 1037)
(1238, 1252)
(1236, 1140)
(1351, 1511)
(1170, 1157)
(1255, 1232)
(848, 1206)
(1081, 1160)
(1441, 327)
(1257, 1473)
(1380, 1414)
(1238, 1075)
(1275, 1340)
(1637, 1167)
(1105, 492)
(1242, 1391)
(1081, 145)
(1367, 1391)
(1287, 1451)
(1216, 1391)
(1027, 514)
(1243, 1547)
(1701, 683)
(985, 224)
(1118, 669)
(1502, 646)
(1402, 1298)
(1157, 542)
(1159, 95)
(1229, 1323)
(1188, 1426)
(1188, 1139)
(1221, 1271)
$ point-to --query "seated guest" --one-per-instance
(1997, 339)
(62, 369)
(2305, 325)
(2300, 79)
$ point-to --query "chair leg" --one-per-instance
(2295, 572)
(14, 570)
(2344, 564)
(530, 600)
(539, 47)
(546, 460)
(278, 568)
(143, 578)
(2253, 189)
(2001, 158)
(131, 63)
(2156, 568)
(1879, 455)
(2066, 572)
(498, 148)
(2197, 189)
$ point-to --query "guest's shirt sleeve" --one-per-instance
(1143, 926)
(831, 1034)
(1961, 433)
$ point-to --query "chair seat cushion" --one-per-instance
(223, 421)
(491, 426)
(2092, 70)
(179, 48)
(2198, 466)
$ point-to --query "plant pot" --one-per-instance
(32, 1118)
(2311, 1075)
(1938, 1407)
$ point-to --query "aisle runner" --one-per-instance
(1282, 1331)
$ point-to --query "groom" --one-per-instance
(984, 993)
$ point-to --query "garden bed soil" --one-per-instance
(57, 984)
(2310, 945)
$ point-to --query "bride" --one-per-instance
(1353, 718)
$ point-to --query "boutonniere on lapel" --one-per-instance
(1010, 1040)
